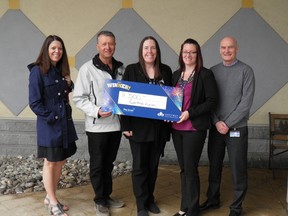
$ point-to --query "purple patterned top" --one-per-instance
(186, 125)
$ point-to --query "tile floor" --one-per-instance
(266, 196)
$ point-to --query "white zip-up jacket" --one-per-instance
(88, 92)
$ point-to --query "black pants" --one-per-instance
(237, 152)
(146, 157)
(189, 146)
(103, 148)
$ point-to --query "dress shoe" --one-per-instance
(208, 205)
(180, 214)
(115, 203)
(142, 212)
(234, 213)
(102, 210)
(152, 207)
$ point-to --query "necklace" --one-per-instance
(183, 82)
(152, 81)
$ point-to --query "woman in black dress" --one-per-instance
(147, 137)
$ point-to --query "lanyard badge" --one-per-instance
(234, 133)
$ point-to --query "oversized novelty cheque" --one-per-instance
(142, 100)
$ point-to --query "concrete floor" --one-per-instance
(265, 197)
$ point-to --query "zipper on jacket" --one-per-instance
(92, 90)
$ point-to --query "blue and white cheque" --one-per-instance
(142, 100)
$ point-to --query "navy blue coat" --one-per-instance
(48, 99)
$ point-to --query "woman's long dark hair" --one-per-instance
(157, 63)
(44, 60)
(199, 59)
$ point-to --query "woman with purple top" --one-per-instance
(189, 133)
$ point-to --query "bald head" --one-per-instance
(229, 39)
(228, 50)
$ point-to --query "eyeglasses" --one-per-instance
(189, 53)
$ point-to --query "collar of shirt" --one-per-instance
(229, 65)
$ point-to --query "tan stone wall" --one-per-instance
(77, 21)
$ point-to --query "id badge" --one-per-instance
(234, 133)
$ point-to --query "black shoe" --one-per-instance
(142, 212)
(179, 214)
(152, 207)
(208, 205)
(234, 213)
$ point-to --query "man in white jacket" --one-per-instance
(102, 128)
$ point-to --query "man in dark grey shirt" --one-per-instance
(236, 86)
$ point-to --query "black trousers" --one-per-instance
(146, 157)
(103, 148)
(189, 146)
(237, 152)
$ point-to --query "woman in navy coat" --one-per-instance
(49, 86)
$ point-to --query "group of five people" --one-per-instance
(217, 100)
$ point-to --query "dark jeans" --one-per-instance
(237, 152)
(189, 146)
(145, 168)
(103, 148)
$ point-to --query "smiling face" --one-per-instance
(189, 54)
(228, 50)
(55, 51)
(149, 51)
(106, 47)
